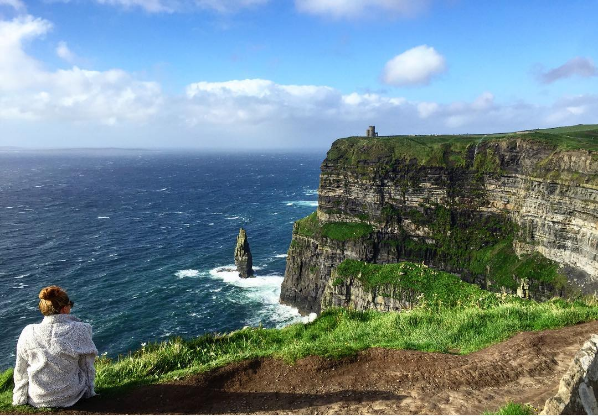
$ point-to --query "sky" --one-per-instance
(289, 74)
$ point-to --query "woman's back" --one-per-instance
(54, 366)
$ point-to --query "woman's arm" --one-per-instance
(86, 364)
(20, 392)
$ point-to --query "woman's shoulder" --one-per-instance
(28, 336)
(78, 325)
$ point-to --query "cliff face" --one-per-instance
(501, 213)
(354, 295)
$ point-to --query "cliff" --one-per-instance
(507, 212)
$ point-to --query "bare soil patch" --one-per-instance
(526, 369)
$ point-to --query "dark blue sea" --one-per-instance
(141, 240)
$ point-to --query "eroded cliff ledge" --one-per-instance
(504, 212)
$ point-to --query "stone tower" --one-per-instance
(371, 132)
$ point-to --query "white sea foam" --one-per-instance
(20, 286)
(311, 192)
(187, 273)
(302, 203)
(262, 289)
(103, 218)
(231, 218)
(281, 256)
(21, 276)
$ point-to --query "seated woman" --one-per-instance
(55, 358)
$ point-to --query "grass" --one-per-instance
(308, 226)
(419, 284)
(451, 150)
(343, 231)
(337, 333)
(340, 231)
(571, 129)
(512, 408)
(502, 264)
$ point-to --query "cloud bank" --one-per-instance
(116, 108)
(29, 92)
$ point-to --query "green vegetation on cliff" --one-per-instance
(478, 245)
(427, 150)
(418, 283)
(452, 150)
(310, 226)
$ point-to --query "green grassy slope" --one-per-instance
(466, 321)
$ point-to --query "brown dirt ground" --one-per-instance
(525, 369)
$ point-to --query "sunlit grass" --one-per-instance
(512, 408)
(336, 333)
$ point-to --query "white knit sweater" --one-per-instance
(54, 365)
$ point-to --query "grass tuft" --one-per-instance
(341, 231)
(512, 408)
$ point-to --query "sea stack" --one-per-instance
(243, 259)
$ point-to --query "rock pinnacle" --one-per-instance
(243, 259)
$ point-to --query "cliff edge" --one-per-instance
(516, 213)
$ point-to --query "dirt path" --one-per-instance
(525, 369)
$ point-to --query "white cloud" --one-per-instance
(573, 110)
(484, 101)
(17, 69)
(426, 109)
(18, 5)
(27, 91)
(254, 101)
(170, 6)
(63, 51)
(578, 66)
(362, 9)
(415, 66)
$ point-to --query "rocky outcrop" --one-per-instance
(352, 294)
(578, 387)
(243, 258)
(526, 197)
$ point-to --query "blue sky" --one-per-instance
(289, 74)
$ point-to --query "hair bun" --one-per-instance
(50, 293)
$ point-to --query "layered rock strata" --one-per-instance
(454, 210)
(352, 294)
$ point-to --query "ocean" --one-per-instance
(141, 240)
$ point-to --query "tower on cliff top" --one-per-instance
(371, 132)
